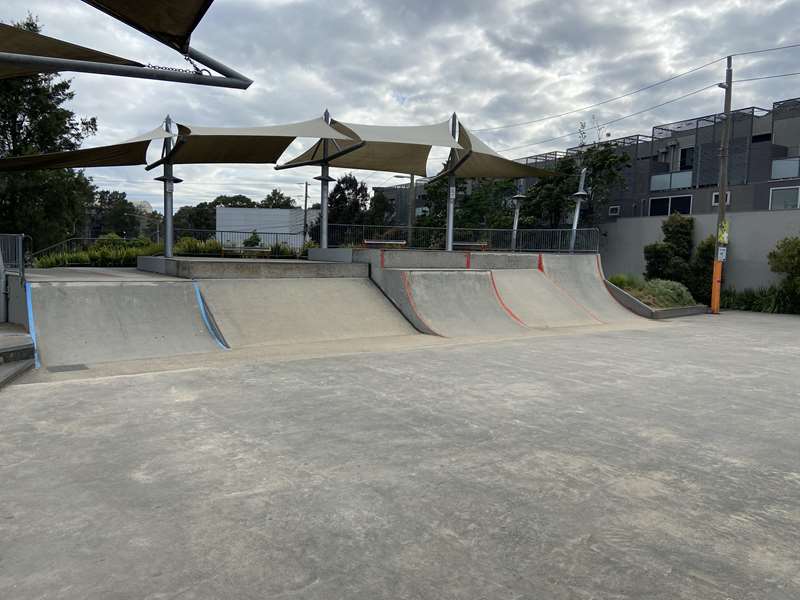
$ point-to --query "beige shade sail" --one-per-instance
(132, 152)
(258, 145)
(171, 22)
(20, 41)
(481, 161)
(381, 148)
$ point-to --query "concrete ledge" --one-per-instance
(344, 255)
(640, 308)
(221, 268)
(440, 259)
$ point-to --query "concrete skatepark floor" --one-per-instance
(655, 463)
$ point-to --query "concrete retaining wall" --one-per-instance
(248, 269)
(640, 308)
(753, 235)
(17, 303)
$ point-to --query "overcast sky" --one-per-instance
(404, 62)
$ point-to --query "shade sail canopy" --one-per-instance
(170, 22)
(481, 161)
(20, 41)
(380, 148)
(132, 152)
(245, 144)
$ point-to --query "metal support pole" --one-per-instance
(518, 198)
(324, 178)
(721, 247)
(305, 216)
(579, 196)
(169, 185)
(451, 192)
(412, 208)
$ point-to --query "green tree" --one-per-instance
(117, 214)
(487, 206)
(549, 201)
(48, 205)
(380, 211)
(277, 199)
(348, 201)
(204, 215)
(603, 177)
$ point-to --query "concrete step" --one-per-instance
(11, 370)
(16, 352)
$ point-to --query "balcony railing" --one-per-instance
(786, 168)
(671, 181)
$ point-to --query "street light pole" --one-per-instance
(169, 186)
(517, 198)
(721, 245)
(579, 196)
(305, 216)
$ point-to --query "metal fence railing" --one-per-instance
(13, 252)
(190, 242)
(81, 244)
(434, 238)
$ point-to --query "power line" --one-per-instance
(765, 77)
(636, 91)
(617, 120)
(602, 102)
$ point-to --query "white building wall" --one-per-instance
(233, 223)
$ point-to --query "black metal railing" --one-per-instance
(434, 238)
(211, 242)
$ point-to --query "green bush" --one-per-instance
(281, 249)
(701, 270)
(661, 293)
(626, 282)
(658, 257)
(189, 246)
(307, 246)
(103, 255)
(785, 258)
(254, 241)
(678, 232)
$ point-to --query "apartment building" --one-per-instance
(676, 167)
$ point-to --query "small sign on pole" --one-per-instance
(722, 253)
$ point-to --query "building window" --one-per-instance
(687, 159)
(613, 211)
(661, 207)
(715, 199)
(784, 198)
(786, 168)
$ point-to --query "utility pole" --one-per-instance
(305, 216)
(451, 189)
(579, 196)
(721, 247)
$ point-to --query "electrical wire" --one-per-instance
(617, 120)
(765, 77)
(636, 91)
(602, 102)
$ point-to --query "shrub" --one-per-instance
(701, 270)
(192, 246)
(307, 246)
(103, 255)
(658, 257)
(678, 232)
(254, 241)
(662, 293)
(785, 257)
(626, 282)
(281, 249)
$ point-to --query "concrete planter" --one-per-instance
(640, 308)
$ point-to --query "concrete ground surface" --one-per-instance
(621, 464)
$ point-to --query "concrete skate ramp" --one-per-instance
(92, 322)
(537, 301)
(458, 303)
(581, 278)
(252, 312)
